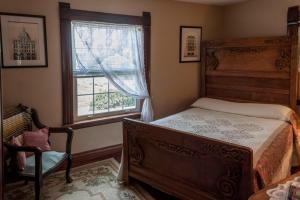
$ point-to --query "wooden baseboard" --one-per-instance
(95, 155)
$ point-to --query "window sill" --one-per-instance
(102, 121)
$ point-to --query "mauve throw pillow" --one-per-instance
(38, 138)
(21, 156)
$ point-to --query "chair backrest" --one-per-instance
(16, 120)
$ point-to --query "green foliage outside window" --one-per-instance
(116, 101)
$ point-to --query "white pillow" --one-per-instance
(269, 111)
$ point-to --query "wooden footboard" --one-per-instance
(185, 165)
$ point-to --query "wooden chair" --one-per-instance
(41, 163)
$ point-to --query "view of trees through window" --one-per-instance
(96, 95)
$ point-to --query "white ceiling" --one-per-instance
(214, 2)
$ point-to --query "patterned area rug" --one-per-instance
(96, 181)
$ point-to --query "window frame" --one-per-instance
(78, 118)
(67, 15)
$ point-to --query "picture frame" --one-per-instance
(23, 40)
(190, 44)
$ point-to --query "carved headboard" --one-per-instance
(260, 70)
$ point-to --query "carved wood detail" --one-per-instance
(131, 126)
(136, 152)
(212, 61)
(228, 185)
(284, 59)
(267, 62)
(284, 40)
(248, 50)
(204, 149)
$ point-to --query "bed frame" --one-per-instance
(260, 70)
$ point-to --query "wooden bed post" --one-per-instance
(125, 155)
(203, 69)
(293, 33)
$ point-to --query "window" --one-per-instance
(94, 95)
(101, 82)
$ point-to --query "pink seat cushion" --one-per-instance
(21, 156)
(38, 138)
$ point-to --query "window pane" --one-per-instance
(112, 88)
(102, 97)
(101, 103)
(129, 82)
(85, 105)
(84, 86)
(115, 101)
(129, 102)
(101, 85)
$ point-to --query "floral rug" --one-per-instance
(96, 181)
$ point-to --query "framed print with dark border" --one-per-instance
(23, 39)
(190, 41)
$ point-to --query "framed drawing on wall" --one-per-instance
(190, 40)
(23, 39)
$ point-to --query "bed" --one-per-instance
(268, 130)
(186, 156)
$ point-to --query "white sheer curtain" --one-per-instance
(117, 51)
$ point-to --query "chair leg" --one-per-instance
(68, 171)
(37, 188)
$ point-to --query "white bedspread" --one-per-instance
(255, 133)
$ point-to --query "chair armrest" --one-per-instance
(66, 130)
(35, 150)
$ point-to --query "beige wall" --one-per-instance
(257, 18)
(174, 86)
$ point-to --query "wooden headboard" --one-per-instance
(260, 70)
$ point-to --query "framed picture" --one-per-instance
(190, 40)
(23, 41)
